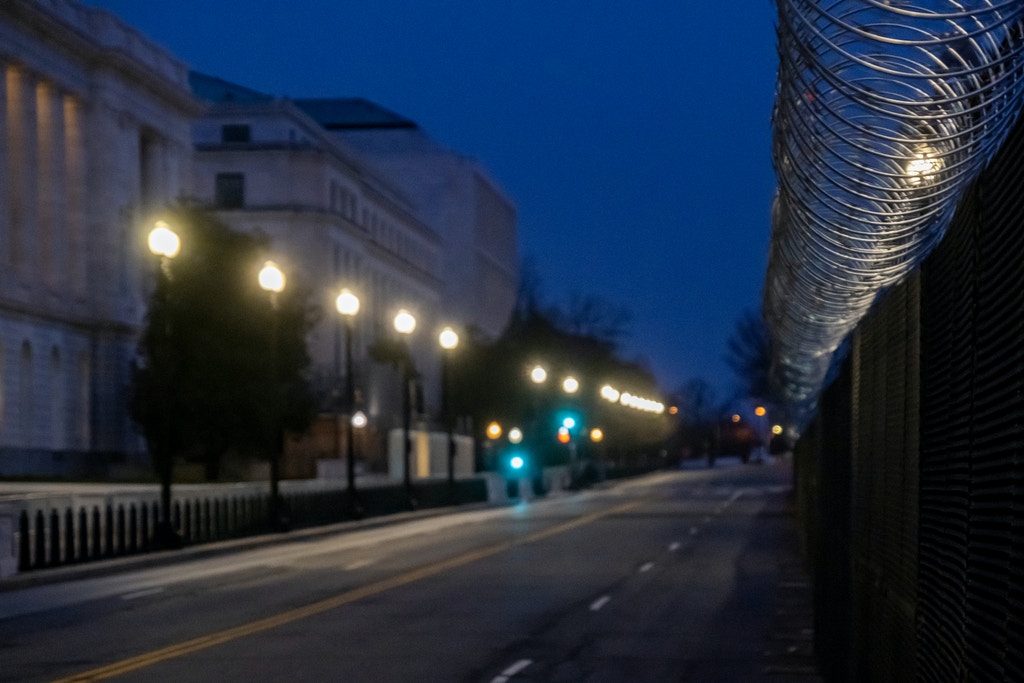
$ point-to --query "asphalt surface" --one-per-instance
(678, 576)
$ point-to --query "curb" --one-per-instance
(159, 558)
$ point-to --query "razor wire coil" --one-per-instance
(885, 112)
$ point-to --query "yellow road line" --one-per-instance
(260, 625)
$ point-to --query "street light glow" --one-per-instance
(347, 303)
(596, 434)
(570, 385)
(515, 435)
(359, 419)
(760, 411)
(163, 241)
(448, 339)
(538, 375)
(271, 278)
(609, 393)
(493, 430)
(405, 322)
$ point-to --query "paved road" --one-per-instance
(668, 577)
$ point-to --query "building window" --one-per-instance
(235, 133)
(230, 191)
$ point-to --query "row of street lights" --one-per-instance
(165, 243)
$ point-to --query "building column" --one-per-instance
(52, 185)
(5, 179)
(23, 170)
(75, 210)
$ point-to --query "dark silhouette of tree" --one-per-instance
(591, 316)
(220, 369)
(491, 382)
(697, 420)
(749, 355)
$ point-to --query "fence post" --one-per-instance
(108, 535)
(83, 534)
(120, 530)
(144, 526)
(133, 529)
(97, 528)
(23, 542)
(55, 554)
(40, 557)
(69, 536)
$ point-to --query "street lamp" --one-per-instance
(448, 339)
(405, 324)
(165, 244)
(570, 385)
(764, 440)
(538, 375)
(272, 280)
(347, 304)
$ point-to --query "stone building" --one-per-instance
(94, 134)
(265, 166)
(100, 129)
(453, 193)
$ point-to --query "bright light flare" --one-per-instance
(347, 303)
(271, 278)
(448, 339)
(405, 322)
(163, 241)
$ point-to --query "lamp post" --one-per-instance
(165, 244)
(571, 385)
(762, 432)
(347, 304)
(272, 280)
(448, 339)
(405, 324)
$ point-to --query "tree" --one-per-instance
(220, 367)
(749, 354)
(699, 414)
(490, 382)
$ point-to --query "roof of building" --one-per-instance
(351, 113)
(213, 89)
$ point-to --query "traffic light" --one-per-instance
(516, 462)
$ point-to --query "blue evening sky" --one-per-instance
(634, 137)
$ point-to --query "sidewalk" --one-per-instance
(98, 568)
(789, 650)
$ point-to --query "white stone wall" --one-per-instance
(86, 102)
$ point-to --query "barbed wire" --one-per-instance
(885, 111)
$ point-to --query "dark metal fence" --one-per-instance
(72, 535)
(911, 480)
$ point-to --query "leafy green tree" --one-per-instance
(221, 368)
